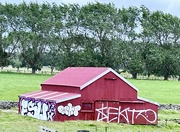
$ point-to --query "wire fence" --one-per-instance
(152, 77)
(25, 70)
(28, 71)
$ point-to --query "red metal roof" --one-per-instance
(81, 76)
(51, 95)
(76, 76)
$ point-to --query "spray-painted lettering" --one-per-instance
(105, 112)
(69, 110)
(37, 109)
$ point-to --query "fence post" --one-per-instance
(95, 128)
(106, 129)
(166, 121)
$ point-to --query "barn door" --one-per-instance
(106, 111)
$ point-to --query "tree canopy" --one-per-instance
(133, 39)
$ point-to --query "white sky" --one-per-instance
(167, 6)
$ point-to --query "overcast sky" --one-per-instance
(167, 6)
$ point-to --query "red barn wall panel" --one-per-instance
(60, 88)
(107, 88)
(131, 113)
(68, 110)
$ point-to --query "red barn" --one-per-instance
(88, 93)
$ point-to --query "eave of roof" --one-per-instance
(147, 100)
(52, 96)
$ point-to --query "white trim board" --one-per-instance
(147, 100)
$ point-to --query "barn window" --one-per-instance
(87, 106)
(109, 78)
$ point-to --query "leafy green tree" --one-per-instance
(98, 24)
(16, 61)
(36, 20)
(51, 59)
(163, 27)
(96, 34)
(67, 33)
(134, 63)
(52, 55)
(149, 52)
(177, 61)
(176, 43)
(160, 27)
(88, 56)
(168, 66)
(127, 36)
(159, 34)
(3, 29)
(9, 28)
(152, 56)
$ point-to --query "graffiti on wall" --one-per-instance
(69, 110)
(105, 112)
(37, 108)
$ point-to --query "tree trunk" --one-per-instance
(166, 77)
(17, 69)
(52, 68)
(33, 70)
(134, 75)
(149, 75)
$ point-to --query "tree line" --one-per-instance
(133, 39)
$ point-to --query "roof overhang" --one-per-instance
(51, 96)
(147, 100)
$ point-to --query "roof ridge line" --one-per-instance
(94, 79)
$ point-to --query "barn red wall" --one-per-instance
(111, 111)
(60, 88)
(108, 87)
(112, 90)
(140, 113)
(82, 115)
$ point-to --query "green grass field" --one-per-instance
(12, 85)
(13, 122)
(166, 92)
